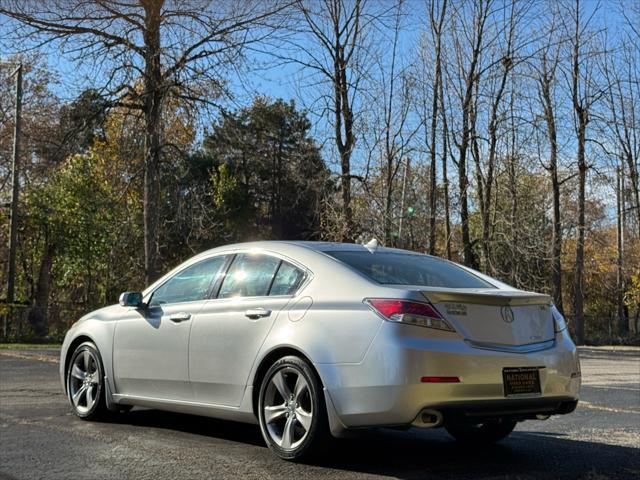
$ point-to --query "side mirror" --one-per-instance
(131, 299)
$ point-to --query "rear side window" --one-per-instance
(287, 280)
(410, 269)
(250, 275)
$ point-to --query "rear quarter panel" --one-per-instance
(328, 320)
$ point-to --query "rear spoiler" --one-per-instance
(506, 298)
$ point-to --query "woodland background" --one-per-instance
(502, 134)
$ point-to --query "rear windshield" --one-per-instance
(410, 269)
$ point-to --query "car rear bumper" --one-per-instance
(386, 388)
(519, 409)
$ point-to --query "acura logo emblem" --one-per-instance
(507, 314)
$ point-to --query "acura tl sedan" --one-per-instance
(312, 340)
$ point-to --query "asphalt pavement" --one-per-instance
(41, 439)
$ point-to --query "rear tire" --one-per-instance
(292, 411)
(488, 432)
(85, 382)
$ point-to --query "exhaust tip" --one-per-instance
(428, 418)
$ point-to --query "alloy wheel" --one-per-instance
(288, 408)
(84, 381)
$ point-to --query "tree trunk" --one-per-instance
(475, 155)
(344, 114)
(388, 203)
(405, 176)
(345, 183)
(38, 315)
(433, 194)
(582, 119)
(471, 79)
(463, 182)
(556, 241)
(578, 301)
(344, 140)
(437, 29)
(623, 327)
(556, 247)
(445, 178)
(153, 93)
(513, 190)
(485, 200)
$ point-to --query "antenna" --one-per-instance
(372, 246)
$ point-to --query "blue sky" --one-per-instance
(284, 80)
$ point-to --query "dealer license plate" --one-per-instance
(521, 381)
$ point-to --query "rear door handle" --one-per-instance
(255, 313)
(179, 317)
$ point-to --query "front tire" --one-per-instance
(292, 411)
(489, 432)
(85, 382)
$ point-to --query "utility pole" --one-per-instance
(15, 189)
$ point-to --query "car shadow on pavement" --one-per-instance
(193, 424)
(523, 455)
(415, 453)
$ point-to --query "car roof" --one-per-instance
(292, 248)
(310, 245)
(353, 247)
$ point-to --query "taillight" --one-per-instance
(412, 313)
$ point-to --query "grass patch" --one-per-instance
(28, 346)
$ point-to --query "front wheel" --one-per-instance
(85, 382)
(488, 432)
(291, 410)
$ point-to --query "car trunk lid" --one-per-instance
(495, 317)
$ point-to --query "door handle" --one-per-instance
(255, 313)
(179, 317)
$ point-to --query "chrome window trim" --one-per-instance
(500, 347)
(255, 297)
(308, 274)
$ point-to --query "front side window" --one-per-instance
(191, 284)
(250, 275)
(410, 269)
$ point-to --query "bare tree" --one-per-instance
(621, 114)
(469, 34)
(334, 50)
(146, 52)
(445, 177)
(504, 65)
(393, 130)
(546, 77)
(437, 15)
(622, 78)
(583, 96)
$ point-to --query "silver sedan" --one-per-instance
(312, 340)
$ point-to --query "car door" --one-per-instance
(150, 357)
(230, 329)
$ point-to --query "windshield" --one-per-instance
(410, 269)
